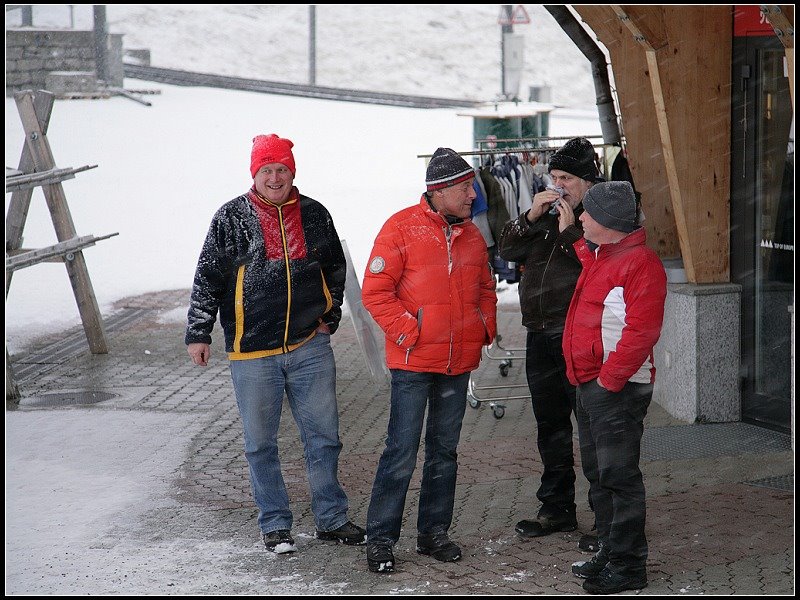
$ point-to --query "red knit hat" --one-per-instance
(271, 149)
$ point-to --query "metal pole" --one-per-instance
(27, 15)
(312, 44)
(504, 29)
(101, 42)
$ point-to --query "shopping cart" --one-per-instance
(506, 357)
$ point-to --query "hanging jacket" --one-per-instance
(274, 273)
(615, 316)
(550, 266)
(429, 288)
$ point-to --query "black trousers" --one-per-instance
(553, 400)
(610, 428)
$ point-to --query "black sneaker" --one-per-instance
(547, 524)
(591, 568)
(439, 546)
(611, 582)
(349, 534)
(279, 541)
(380, 558)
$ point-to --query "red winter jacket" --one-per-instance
(615, 316)
(428, 286)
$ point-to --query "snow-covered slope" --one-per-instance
(425, 49)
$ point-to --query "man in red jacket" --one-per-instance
(429, 288)
(613, 323)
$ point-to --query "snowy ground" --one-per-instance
(74, 480)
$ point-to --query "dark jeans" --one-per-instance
(445, 397)
(610, 427)
(553, 400)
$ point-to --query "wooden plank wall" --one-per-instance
(693, 52)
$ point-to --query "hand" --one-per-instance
(600, 384)
(323, 328)
(541, 204)
(200, 353)
(566, 216)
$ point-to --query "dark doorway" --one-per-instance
(762, 226)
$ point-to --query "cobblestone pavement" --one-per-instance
(720, 496)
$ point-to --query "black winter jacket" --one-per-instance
(550, 267)
(274, 273)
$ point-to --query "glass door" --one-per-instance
(762, 220)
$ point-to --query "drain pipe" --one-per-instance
(605, 101)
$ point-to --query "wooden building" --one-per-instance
(706, 101)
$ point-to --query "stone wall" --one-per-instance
(32, 53)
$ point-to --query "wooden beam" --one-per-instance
(784, 29)
(12, 389)
(25, 181)
(782, 22)
(670, 167)
(67, 248)
(39, 148)
(20, 201)
(644, 23)
(646, 41)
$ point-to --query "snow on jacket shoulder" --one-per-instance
(273, 273)
(615, 316)
(429, 288)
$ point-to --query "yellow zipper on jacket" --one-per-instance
(238, 305)
(288, 278)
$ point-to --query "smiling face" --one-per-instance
(274, 182)
(456, 200)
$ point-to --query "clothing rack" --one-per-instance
(484, 151)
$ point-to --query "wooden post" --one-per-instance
(41, 155)
(21, 200)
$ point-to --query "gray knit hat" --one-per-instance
(613, 205)
(576, 157)
(446, 168)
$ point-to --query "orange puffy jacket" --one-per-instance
(429, 287)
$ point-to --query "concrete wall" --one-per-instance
(698, 354)
(33, 53)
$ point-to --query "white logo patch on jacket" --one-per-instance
(377, 264)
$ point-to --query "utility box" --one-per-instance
(507, 122)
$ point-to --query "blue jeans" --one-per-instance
(445, 397)
(308, 376)
(610, 428)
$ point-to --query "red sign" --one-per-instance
(749, 20)
(519, 16)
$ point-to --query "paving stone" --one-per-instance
(709, 531)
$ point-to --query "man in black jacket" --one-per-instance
(273, 267)
(541, 241)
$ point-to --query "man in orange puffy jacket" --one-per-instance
(429, 287)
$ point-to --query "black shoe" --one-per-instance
(380, 558)
(279, 542)
(349, 534)
(589, 543)
(591, 568)
(611, 582)
(439, 546)
(546, 524)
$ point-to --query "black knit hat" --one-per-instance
(613, 205)
(576, 157)
(446, 168)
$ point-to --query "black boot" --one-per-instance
(545, 524)
(439, 546)
(380, 558)
(611, 582)
(591, 568)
